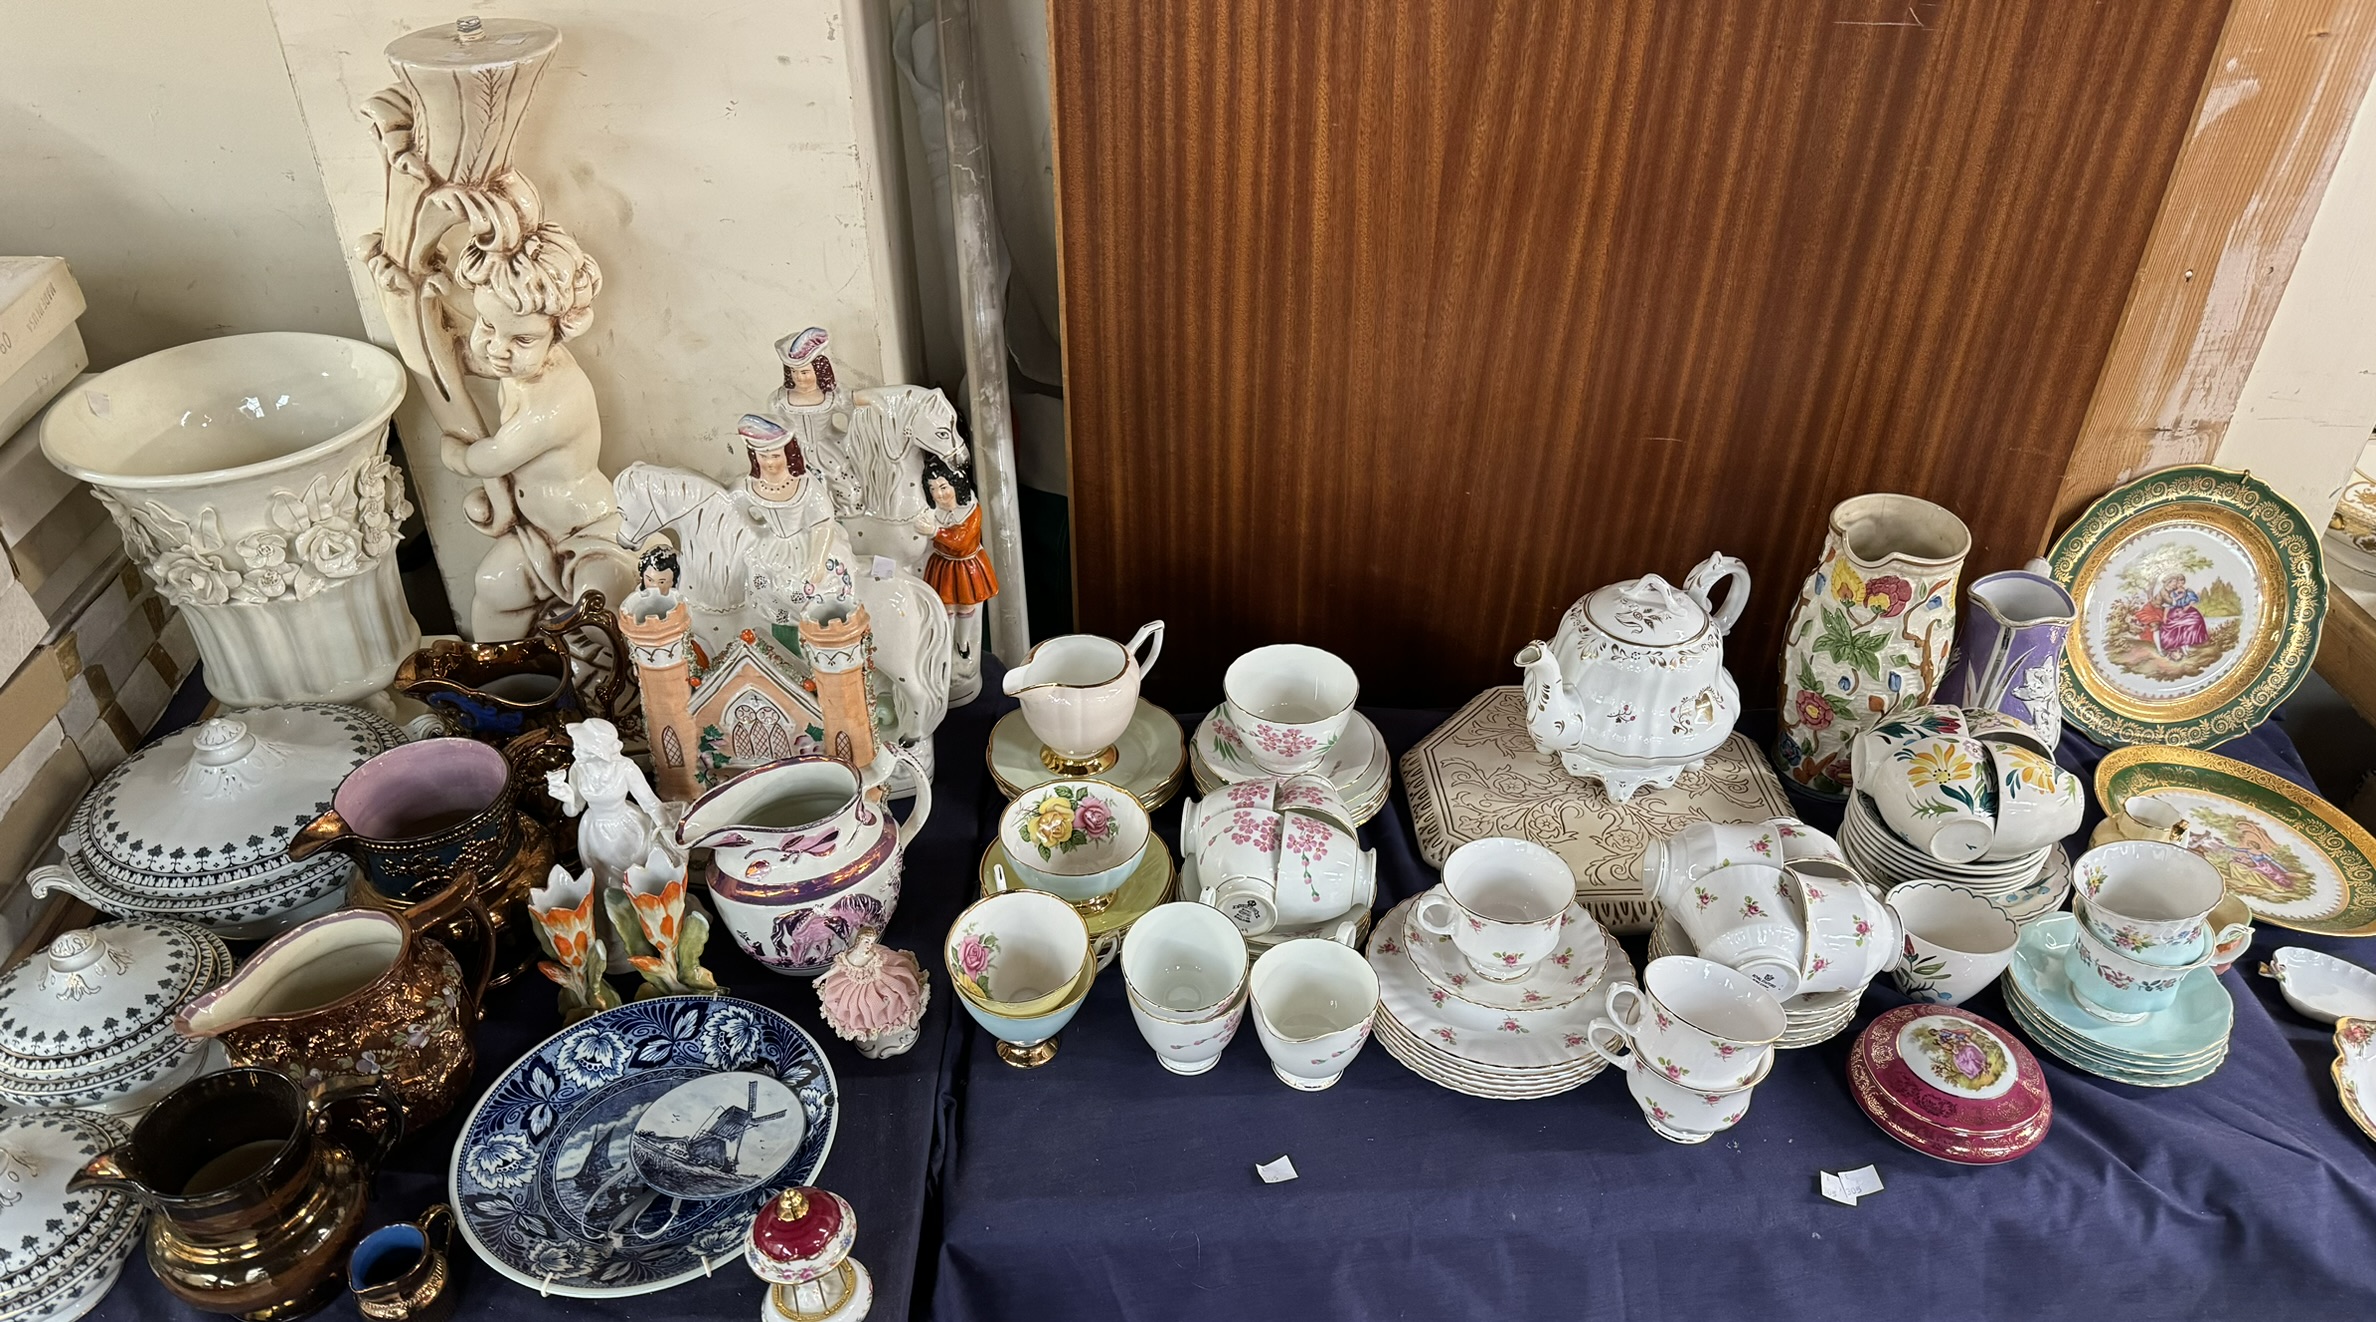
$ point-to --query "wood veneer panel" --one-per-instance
(2283, 88)
(1395, 326)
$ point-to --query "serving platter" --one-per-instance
(2294, 859)
(2200, 594)
(536, 1180)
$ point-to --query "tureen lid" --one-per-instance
(1647, 611)
(800, 1235)
(226, 795)
(102, 993)
(56, 1245)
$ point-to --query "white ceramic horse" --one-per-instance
(717, 546)
(892, 428)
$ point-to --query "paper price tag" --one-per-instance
(1274, 1172)
(1848, 1186)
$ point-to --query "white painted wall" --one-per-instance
(733, 164)
(2310, 401)
(155, 145)
(723, 161)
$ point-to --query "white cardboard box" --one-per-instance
(31, 487)
(39, 377)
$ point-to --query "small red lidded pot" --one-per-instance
(800, 1244)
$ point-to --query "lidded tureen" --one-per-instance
(59, 1251)
(197, 825)
(89, 1023)
(1632, 690)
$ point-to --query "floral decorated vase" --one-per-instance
(250, 478)
(1871, 633)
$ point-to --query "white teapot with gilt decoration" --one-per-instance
(1632, 691)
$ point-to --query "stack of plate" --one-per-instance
(2173, 1047)
(1359, 766)
(1949, 1084)
(1510, 1040)
(2025, 887)
(1812, 1018)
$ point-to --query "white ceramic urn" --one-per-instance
(250, 477)
(1632, 690)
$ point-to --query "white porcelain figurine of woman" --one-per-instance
(619, 818)
(802, 556)
(815, 408)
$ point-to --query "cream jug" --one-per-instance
(1079, 693)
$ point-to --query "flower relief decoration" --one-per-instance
(337, 528)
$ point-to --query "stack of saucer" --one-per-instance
(2169, 1048)
(1508, 1040)
(1815, 1017)
(1949, 1084)
(1358, 765)
(2024, 887)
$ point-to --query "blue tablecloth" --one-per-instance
(1102, 1187)
(891, 1109)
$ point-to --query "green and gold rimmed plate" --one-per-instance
(1149, 884)
(2294, 859)
(1151, 757)
(2355, 1071)
(2200, 595)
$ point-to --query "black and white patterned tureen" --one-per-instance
(89, 1023)
(59, 1251)
(197, 825)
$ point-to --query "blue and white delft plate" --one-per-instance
(534, 1176)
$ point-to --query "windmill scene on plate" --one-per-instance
(2175, 618)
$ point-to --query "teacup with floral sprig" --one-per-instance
(2152, 902)
(1021, 965)
(1289, 704)
(1076, 839)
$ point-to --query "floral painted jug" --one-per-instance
(1871, 632)
(804, 855)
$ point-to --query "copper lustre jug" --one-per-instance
(361, 994)
(257, 1190)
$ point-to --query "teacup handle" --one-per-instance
(1434, 913)
(437, 1226)
(1622, 1055)
(1625, 1007)
(2227, 945)
(1151, 634)
(999, 885)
